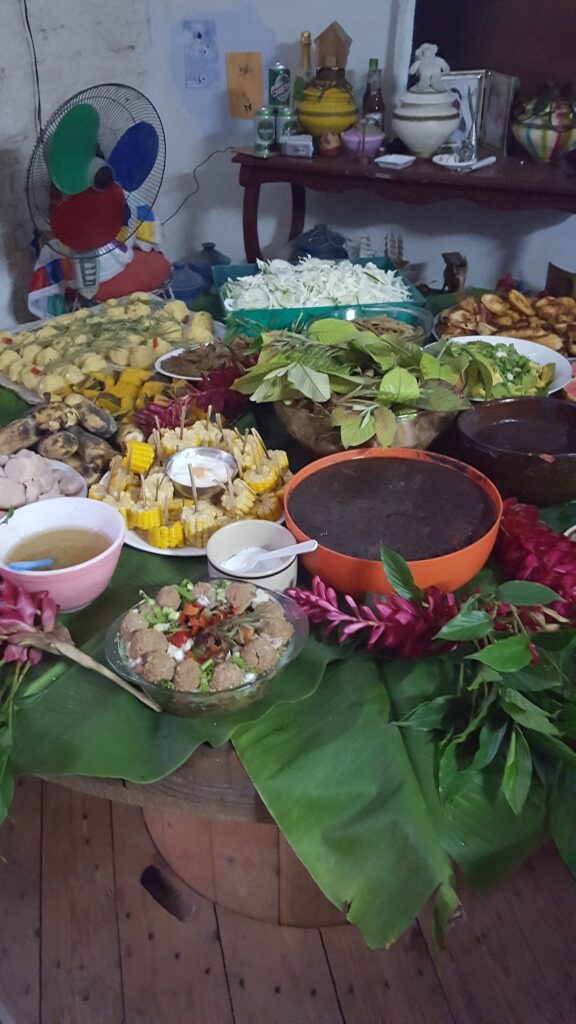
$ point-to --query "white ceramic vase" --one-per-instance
(425, 120)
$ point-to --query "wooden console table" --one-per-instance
(506, 185)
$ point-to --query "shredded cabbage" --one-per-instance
(314, 282)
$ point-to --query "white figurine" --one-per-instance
(429, 69)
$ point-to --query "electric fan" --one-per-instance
(95, 172)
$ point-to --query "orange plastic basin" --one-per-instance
(357, 575)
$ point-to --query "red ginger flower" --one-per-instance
(529, 550)
(21, 615)
(389, 625)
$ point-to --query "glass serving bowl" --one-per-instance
(189, 704)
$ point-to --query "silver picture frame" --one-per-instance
(499, 90)
(468, 88)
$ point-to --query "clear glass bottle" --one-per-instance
(373, 105)
(304, 73)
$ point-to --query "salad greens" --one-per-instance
(493, 371)
(363, 380)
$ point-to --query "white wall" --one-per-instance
(139, 42)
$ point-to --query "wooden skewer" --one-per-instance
(159, 485)
(229, 486)
(193, 486)
(182, 421)
(166, 511)
(143, 498)
(260, 440)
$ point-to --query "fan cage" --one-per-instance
(119, 107)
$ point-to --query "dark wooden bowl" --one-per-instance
(541, 471)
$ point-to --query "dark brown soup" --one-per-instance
(419, 509)
(550, 436)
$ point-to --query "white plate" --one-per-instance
(133, 540)
(538, 353)
(449, 162)
(219, 331)
(73, 474)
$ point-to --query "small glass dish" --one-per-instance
(189, 704)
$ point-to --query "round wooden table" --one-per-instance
(214, 832)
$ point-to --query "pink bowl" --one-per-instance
(352, 142)
(79, 585)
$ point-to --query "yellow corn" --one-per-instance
(166, 536)
(97, 492)
(263, 479)
(269, 506)
(144, 518)
(139, 456)
(242, 501)
(176, 505)
(279, 458)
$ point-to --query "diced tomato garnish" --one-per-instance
(35, 370)
(7, 341)
(179, 639)
(154, 342)
(191, 610)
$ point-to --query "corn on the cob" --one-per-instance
(263, 479)
(166, 536)
(269, 506)
(97, 492)
(139, 456)
(279, 458)
(240, 501)
(140, 518)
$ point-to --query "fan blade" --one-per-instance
(89, 220)
(72, 148)
(134, 155)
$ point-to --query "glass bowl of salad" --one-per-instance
(205, 647)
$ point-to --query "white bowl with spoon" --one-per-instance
(251, 550)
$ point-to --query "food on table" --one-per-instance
(359, 383)
(27, 477)
(195, 361)
(205, 637)
(496, 371)
(56, 430)
(65, 548)
(419, 509)
(147, 498)
(548, 320)
(394, 328)
(313, 282)
(119, 392)
(66, 350)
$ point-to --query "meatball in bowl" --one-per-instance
(207, 646)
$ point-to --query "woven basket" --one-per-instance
(309, 424)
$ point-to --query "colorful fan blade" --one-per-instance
(72, 149)
(89, 220)
(134, 155)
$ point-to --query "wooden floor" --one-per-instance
(95, 930)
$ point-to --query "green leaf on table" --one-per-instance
(355, 427)
(524, 593)
(468, 624)
(447, 910)
(428, 715)
(273, 389)
(332, 331)
(385, 426)
(398, 575)
(452, 773)
(433, 368)
(489, 743)
(440, 397)
(310, 383)
(526, 712)
(399, 387)
(563, 816)
(517, 771)
(507, 655)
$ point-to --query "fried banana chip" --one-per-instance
(494, 303)
(520, 303)
(550, 341)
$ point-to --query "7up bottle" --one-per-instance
(278, 86)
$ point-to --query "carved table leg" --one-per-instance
(298, 210)
(250, 223)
